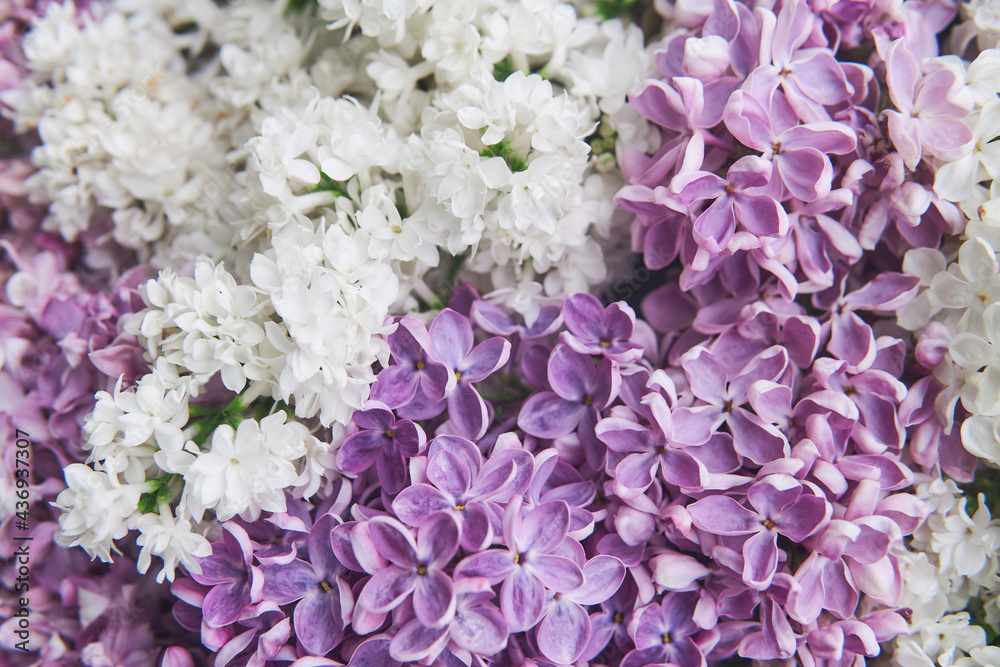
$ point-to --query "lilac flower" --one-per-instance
(650, 450)
(529, 564)
(594, 329)
(415, 567)
(930, 109)
(460, 484)
(565, 629)
(725, 391)
(324, 598)
(478, 627)
(667, 633)
(779, 506)
(496, 320)
(736, 203)
(580, 391)
(452, 345)
(386, 443)
(413, 375)
(810, 77)
(798, 152)
(235, 583)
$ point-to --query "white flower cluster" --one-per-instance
(952, 559)
(301, 171)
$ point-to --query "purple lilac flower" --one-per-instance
(384, 442)
(531, 557)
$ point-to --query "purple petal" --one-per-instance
(494, 565)
(624, 435)
(391, 470)
(544, 528)
(602, 575)
(451, 338)
(486, 358)
(416, 504)
(449, 473)
(681, 469)
(560, 574)
(821, 78)
(583, 313)
(387, 588)
(318, 623)
(760, 214)
(715, 227)
(760, 559)
(374, 653)
(224, 604)
(393, 541)
(287, 583)
(521, 599)
(569, 372)
(706, 375)
(773, 494)
(360, 451)
(481, 630)
(437, 540)
(803, 518)
(564, 632)
(546, 415)
(415, 642)
(477, 528)
(434, 599)
(722, 515)
(468, 411)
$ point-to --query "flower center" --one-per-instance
(618, 618)
(588, 400)
(458, 375)
(666, 638)
(728, 407)
(390, 433)
(769, 524)
(460, 507)
(776, 148)
(517, 558)
(326, 586)
(729, 189)
(605, 343)
(396, 229)
(422, 570)
(984, 298)
(420, 365)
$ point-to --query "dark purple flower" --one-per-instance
(565, 629)
(236, 584)
(385, 443)
(594, 329)
(736, 203)
(413, 375)
(666, 633)
(324, 598)
(478, 627)
(460, 484)
(779, 507)
(416, 566)
(452, 345)
(529, 564)
(580, 391)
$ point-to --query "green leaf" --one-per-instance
(159, 493)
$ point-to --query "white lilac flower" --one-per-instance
(96, 509)
(246, 470)
(171, 538)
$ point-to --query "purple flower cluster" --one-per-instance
(586, 489)
(779, 157)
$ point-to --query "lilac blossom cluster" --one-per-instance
(782, 446)
(587, 489)
(780, 158)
